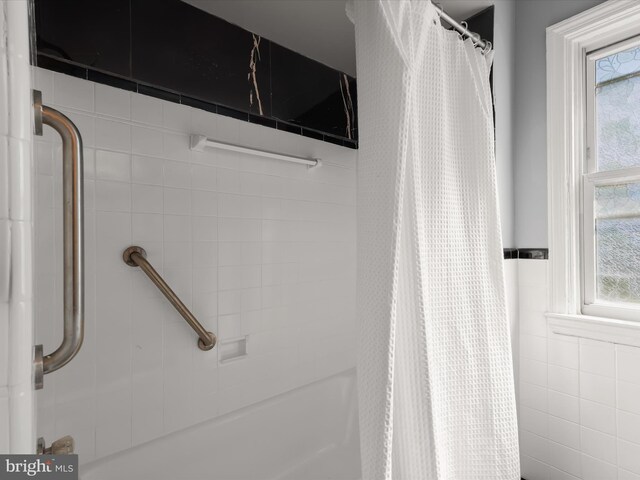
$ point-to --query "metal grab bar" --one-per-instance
(136, 257)
(73, 239)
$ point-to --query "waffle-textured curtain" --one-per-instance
(435, 374)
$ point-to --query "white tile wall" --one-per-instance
(16, 227)
(579, 406)
(511, 291)
(254, 247)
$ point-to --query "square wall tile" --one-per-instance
(533, 469)
(112, 101)
(597, 416)
(72, 92)
(597, 357)
(598, 388)
(627, 395)
(533, 396)
(147, 110)
(564, 406)
(629, 456)
(628, 426)
(113, 166)
(627, 475)
(565, 380)
(628, 362)
(176, 117)
(533, 323)
(594, 469)
(533, 298)
(112, 135)
(564, 432)
(532, 273)
(534, 421)
(598, 445)
(147, 170)
(146, 141)
(204, 177)
(147, 199)
(533, 347)
(113, 196)
(565, 459)
(563, 353)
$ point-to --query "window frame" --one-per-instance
(568, 43)
(592, 178)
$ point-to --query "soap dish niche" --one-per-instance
(233, 349)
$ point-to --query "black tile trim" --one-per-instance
(312, 134)
(158, 93)
(334, 140)
(74, 70)
(526, 253)
(534, 253)
(112, 81)
(230, 112)
(60, 66)
(510, 253)
(350, 144)
(286, 127)
(264, 121)
(195, 103)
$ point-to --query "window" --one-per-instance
(611, 183)
(593, 168)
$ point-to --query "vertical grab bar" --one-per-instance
(73, 239)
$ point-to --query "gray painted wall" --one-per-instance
(530, 179)
(504, 91)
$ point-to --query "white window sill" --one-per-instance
(624, 332)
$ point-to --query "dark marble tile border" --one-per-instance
(110, 80)
(264, 121)
(312, 134)
(230, 112)
(534, 253)
(510, 253)
(297, 129)
(195, 103)
(69, 68)
(334, 140)
(59, 66)
(159, 93)
(526, 253)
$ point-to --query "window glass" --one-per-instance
(618, 123)
(617, 228)
(618, 65)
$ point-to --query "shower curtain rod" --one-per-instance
(463, 29)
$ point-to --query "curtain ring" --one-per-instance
(487, 47)
(466, 29)
(439, 10)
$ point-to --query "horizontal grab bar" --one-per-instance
(137, 257)
(198, 142)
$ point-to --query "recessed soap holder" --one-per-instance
(233, 349)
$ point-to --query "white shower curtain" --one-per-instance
(435, 374)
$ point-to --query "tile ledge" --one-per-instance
(611, 330)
